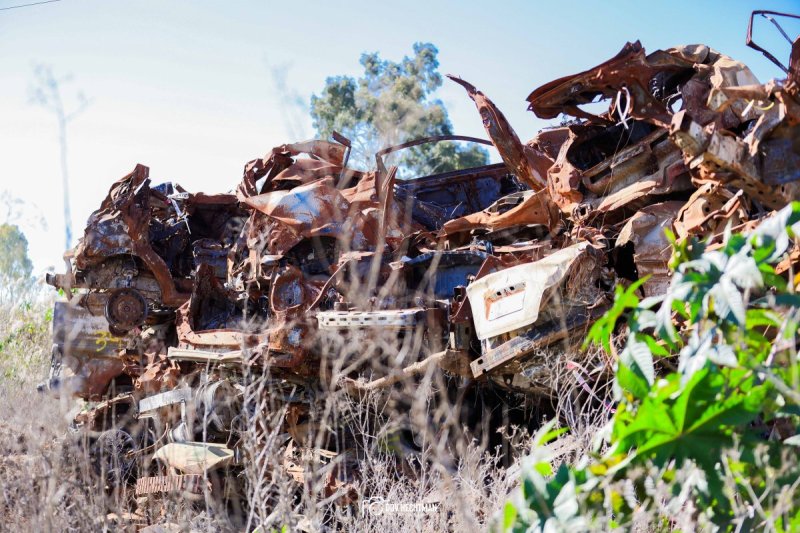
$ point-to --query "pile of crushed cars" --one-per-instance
(177, 299)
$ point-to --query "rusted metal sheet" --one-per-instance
(532, 340)
(645, 232)
(317, 209)
(535, 208)
(281, 169)
(203, 321)
(519, 159)
(121, 226)
(85, 354)
(642, 86)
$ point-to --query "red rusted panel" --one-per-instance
(520, 159)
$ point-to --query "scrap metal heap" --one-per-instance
(329, 280)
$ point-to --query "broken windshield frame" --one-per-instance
(379, 155)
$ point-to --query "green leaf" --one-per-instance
(728, 302)
(637, 356)
(632, 381)
(544, 469)
(691, 399)
(694, 422)
(742, 270)
(655, 348)
(794, 440)
(509, 516)
(551, 435)
(771, 279)
(723, 355)
(694, 355)
(624, 300)
(762, 318)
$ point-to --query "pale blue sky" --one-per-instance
(186, 87)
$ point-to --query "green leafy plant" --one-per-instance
(712, 442)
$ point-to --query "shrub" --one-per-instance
(709, 442)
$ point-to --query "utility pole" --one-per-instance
(46, 93)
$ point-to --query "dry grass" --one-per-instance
(418, 457)
(41, 488)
